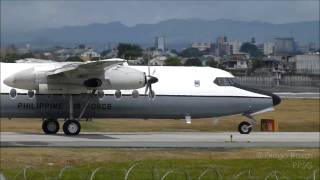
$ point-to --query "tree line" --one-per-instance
(133, 51)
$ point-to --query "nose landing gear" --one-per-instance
(246, 127)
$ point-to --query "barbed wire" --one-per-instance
(213, 172)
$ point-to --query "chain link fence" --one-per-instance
(283, 84)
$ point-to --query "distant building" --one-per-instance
(235, 47)
(271, 67)
(222, 39)
(240, 56)
(158, 61)
(237, 63)
(89, 55)
(64, 53)
(201, 46)
(46, 55)
(222, 46)
(137, 61)
(227, 49)
(284, 46)
(307, 64)
(253, 40)
(170, 54)
(268, 48)
(312, 47)
(156, 53)
(303, 48)
(160, 43)
(112, 54)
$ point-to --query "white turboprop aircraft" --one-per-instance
(113, 89)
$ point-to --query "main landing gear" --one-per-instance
(246, 127)
(71, 126)
(50, 126)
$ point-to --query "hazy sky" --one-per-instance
(27, 15)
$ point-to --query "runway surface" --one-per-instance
(163, 140)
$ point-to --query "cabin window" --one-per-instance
(13, 93)
(221, 81)
(100, 95)
(196, 83)
(135, 93)
(30, 94)
(118, 95)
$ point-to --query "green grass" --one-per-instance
(154, 164)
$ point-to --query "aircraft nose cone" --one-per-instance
(275, 99)
(9, 81)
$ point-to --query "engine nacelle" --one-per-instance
(123, 77)
(25, 79)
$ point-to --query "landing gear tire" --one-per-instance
(244, 127)
(50, 126)
(71, 127)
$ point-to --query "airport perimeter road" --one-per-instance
(164, 140)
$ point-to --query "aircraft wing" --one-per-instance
(79, 69)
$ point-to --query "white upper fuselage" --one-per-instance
(172, 80)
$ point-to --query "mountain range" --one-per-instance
(176, 31)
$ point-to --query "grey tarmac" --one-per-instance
(206, 140)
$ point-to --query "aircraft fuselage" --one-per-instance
(162, 92)
(180, 91)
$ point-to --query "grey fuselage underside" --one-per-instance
(163, 106)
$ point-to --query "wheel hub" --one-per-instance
(245, 128)
(73, 128)
(51, 126)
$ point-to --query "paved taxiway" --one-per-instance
(163, 140)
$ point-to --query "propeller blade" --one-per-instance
(150, 93)
(149, 81)
(146, 90)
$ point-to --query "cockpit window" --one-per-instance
(223, 81)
